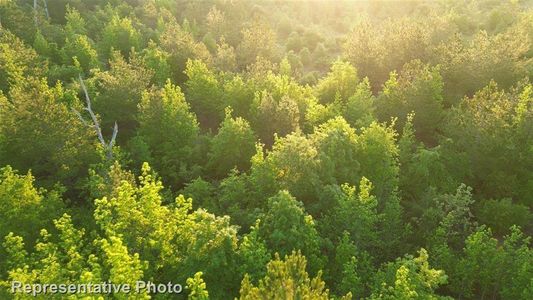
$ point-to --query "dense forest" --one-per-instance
(254, 149)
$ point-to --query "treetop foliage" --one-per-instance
(268, 149)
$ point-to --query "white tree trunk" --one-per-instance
(46, 10)
(108, 147)
(35, 14)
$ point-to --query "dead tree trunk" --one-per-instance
(35, 14)
(36, 11)
(108, 147)
(46, 9)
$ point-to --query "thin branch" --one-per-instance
(80, 117)
(115, 132)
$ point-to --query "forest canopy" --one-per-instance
(255, 149)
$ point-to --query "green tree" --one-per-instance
(182, 241)
(409, 278)
(69, 257)
(358, 109)
(197, 288)
(79, 49)
(376, 50)
(18, 19)
(294, 164)
(286, 227)
(17, 61)
(216, 22)
(44, 47)
(281, 86)
(378, 157)
(286, 279)
(204, 93)
(477, 271)
(225, 58)
(355, 267)
(453, 217)
(354, 213)
(119, 35)
(24, 208)
(501, 214)
(519, 256)
(294, 42)
(232, 147)
(181, 47)
(421, 168)
(468, 66)
(274, 117)
(253, 254)
(120, 89)
(156, 59)
(337, 146)
(488, 268)
(239, 94)
(257, 40)
(487, 144)
(75, 24)
(417, 89)
(342, 80)
(242, 198)
(203, 192)
(170, 130)
(62, 146)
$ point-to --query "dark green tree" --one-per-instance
(286, 227)
(232, 147)
(169, 130)
(204, 93)
(62, 147)
(118, 93)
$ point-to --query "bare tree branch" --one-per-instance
(96, 125)
(91, 113)
(80, 117)
(112, 142)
